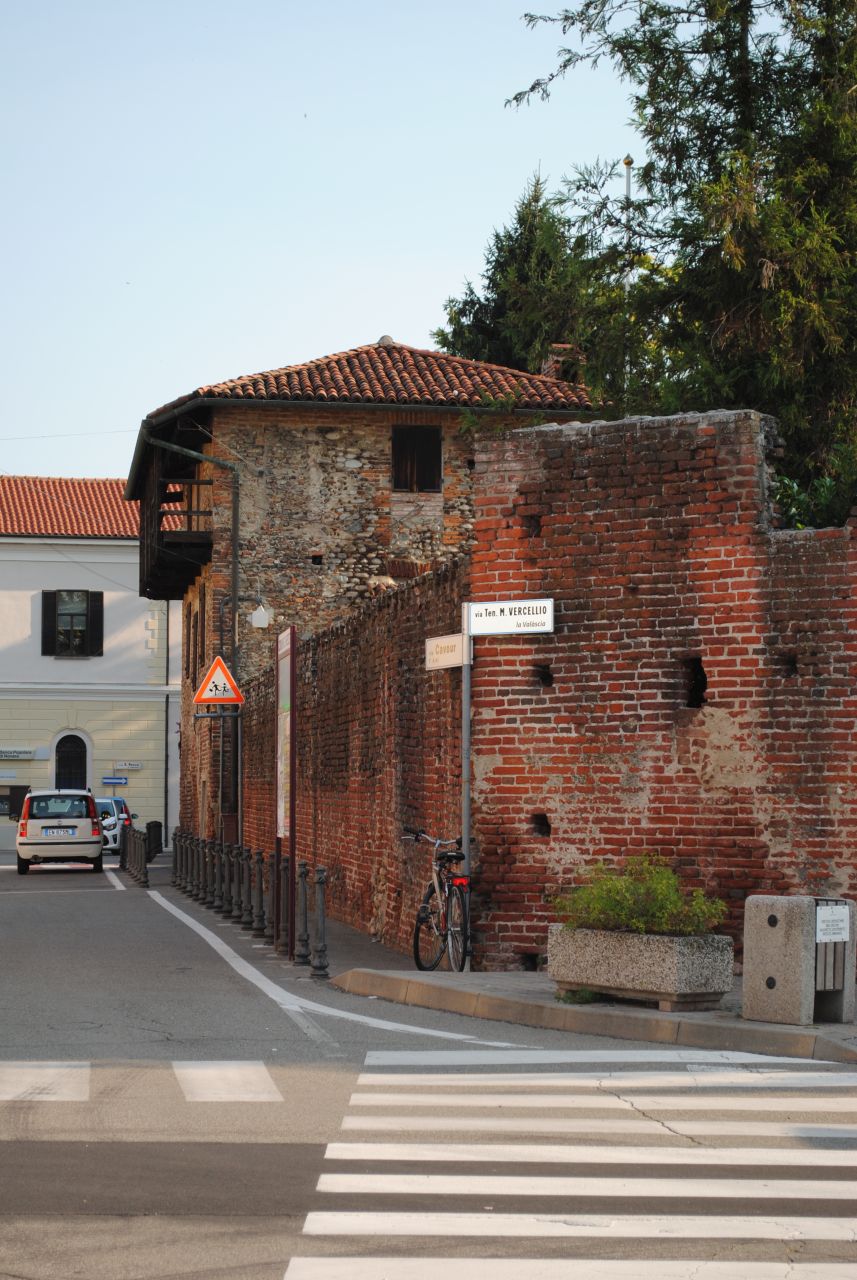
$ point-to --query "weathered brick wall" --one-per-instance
(671, 587)
(378, 748)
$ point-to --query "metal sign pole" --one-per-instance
(465, 736)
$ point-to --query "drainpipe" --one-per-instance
(233, 468)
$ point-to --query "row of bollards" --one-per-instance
(229, 879)
(134, 855)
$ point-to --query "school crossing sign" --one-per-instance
(218, 687)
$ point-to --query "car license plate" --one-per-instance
(59, 831)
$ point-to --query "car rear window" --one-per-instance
(59, 807)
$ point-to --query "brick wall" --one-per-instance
(379, 748)
(697, 697)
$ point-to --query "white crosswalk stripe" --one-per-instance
(199, 1081)
(686, 1142)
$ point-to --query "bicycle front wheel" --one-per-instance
(456, 937)
(429, 932)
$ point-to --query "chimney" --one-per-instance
(561, 354)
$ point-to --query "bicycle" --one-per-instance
(442, 918)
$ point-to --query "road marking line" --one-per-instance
(595, 1225)
(595, 1125)
(543, 1153)
(534, 1057)
(226, 1082)
(44, 1081)
(291, 1004)
(114, 879)
(395, 1268)
(604, 1101)
(413, 1184)
(745, 1078)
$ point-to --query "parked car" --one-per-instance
(59, 826)
(115, 815)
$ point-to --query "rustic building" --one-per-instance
(308, 489)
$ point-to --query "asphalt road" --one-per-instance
(177, 1102)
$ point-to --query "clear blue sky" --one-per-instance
(196, 189)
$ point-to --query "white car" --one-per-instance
(115, 816)
(59, 826)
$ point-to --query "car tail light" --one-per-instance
(25, 817)
(93, 814)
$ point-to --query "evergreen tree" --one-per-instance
(743, 239)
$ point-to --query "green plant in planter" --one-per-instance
(646, 896)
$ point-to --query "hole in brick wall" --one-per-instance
(695, 682)
(471, 464)
(317, 558)
(543, 674)
(529, 961)
(541, 824)
(788, 665)
(532, 525)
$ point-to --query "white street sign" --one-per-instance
(444, 651)
(509, 617)
(122, 766)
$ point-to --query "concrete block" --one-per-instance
(780, 963)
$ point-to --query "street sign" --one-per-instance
(115, 782)
(509, 617)
(444, 651)
(127, 766)
(218, 686)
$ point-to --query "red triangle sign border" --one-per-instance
(218, 675)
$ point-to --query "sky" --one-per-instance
(196, 190)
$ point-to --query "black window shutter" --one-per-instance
(95, 624)
(49, 623)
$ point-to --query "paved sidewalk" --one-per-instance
(528, 999)
(362, 967)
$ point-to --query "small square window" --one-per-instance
(417, 459)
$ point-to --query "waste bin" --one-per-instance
(799, 957)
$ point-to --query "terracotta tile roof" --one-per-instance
(41, 506)
(387, 372)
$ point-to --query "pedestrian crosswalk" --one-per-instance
(198, 1081)
(675, 1165)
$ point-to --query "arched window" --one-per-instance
(70, 762)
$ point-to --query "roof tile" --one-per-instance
(61, 507)
(391, 373)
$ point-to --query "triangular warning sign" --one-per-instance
(218, 685)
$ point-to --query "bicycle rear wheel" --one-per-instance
(457, 929)
(429, 932)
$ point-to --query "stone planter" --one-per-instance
(674, 973)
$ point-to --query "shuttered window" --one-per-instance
(417, 459)
(73, 624)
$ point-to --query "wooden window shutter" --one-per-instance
(95, 624)
(49, 623)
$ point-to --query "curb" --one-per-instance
(702, 1031)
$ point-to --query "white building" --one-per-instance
(89, 671)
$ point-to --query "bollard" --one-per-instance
(319, 950)
(246, 889)
(258, 896)
(283, 939)
(226, 909)
(217, 900)
(181, 861)
(210, 848)
(302, 947)
(273, 872)
(144, 867)
(174, 878)
(237, 877)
